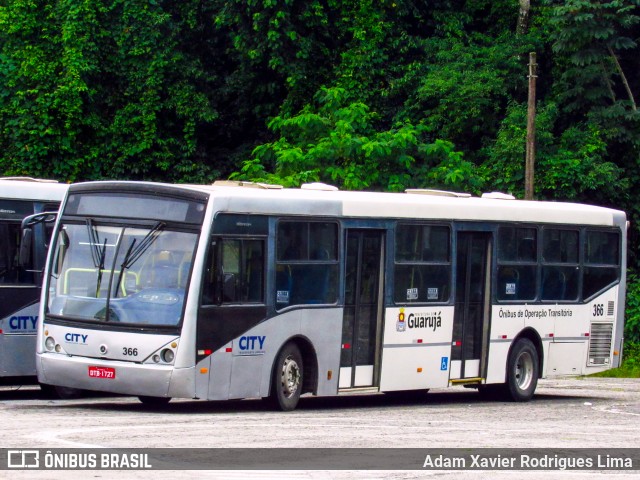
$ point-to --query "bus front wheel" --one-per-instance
(522, 371)
(287, 378)
(62, 393)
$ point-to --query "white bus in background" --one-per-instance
(20, 283)
(231, 291)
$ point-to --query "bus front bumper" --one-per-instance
(112, 376)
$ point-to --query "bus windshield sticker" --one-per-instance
(432, 293)
(282, 296)
(412, 294)
(510, 289)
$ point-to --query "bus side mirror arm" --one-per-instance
(36, 218)
(25, 259)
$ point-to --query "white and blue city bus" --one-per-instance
(20, 281)
(234, 291)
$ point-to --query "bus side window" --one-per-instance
(235, 272)
(310, 284)
(231, 251)
(307, 263)
(602, 261)
(254, 268)
(422, 264)
(560, 264)
(517, 263)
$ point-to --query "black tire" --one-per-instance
(154, 401)
(48, 391)
(522, 371)
(61, 393)
(494, 391)
(286, 384)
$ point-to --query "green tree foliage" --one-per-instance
(572, 163)
(464, 94)
(338, 142)
(632, 316)
(100, 89)
(360, 93)
(363, 94)
(282, 50)
(595, 46)
(596, 59)
(592, 36)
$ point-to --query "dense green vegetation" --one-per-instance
(363, 94)
(630, 367)
(631, 355)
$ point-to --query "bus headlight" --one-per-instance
(167, 355)
(163, 356)
(50, 343)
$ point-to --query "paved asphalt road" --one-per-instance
(565, 413)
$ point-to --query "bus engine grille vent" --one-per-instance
(600, 343)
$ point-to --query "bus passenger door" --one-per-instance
(472, 306)
(361, 327)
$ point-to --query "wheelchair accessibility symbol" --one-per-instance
(444, 363)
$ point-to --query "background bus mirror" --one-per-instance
(24, 256)
(229, 287)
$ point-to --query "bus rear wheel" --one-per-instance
(287, 378)
(522, 371)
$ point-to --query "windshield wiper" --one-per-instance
(101, 267)
(98, 252)
(94, 241)
(135, 252)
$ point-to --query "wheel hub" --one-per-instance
(524, 370)
(290, 376)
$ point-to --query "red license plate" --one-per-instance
(102, 372)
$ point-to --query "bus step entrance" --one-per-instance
(358, 390)
(466, 381)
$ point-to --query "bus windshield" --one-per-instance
(127, 274)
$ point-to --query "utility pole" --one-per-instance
(530, 159)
